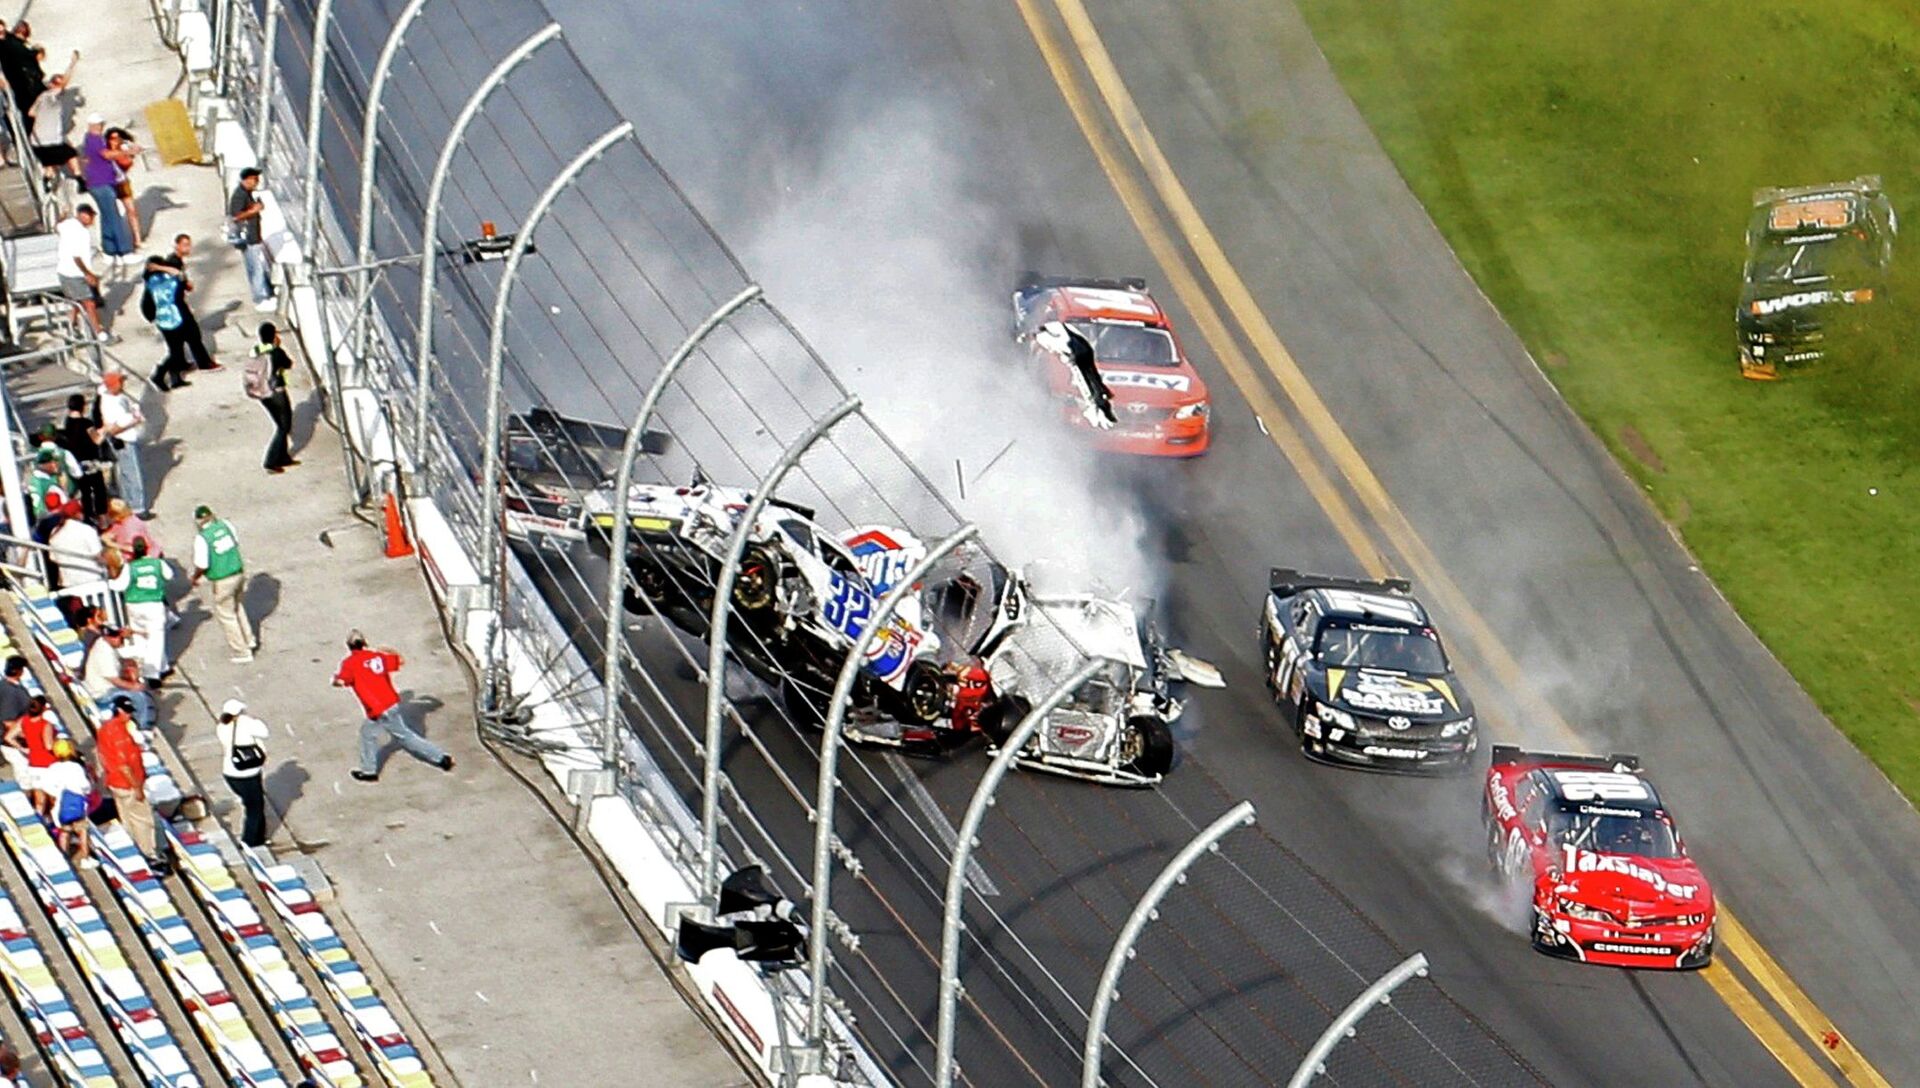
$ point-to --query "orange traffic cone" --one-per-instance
(397, 544)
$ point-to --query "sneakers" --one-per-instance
(359, 775)
(445, 763)
(88, 863)
(241, 659)
(267, 306)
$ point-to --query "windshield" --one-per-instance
(1779, 260)
(1120, 342)
(1643, 835)
(1399, 649)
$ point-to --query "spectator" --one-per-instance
(243, 230)
(242, 739)
(70, 792)
(108, 674)
(48, 483)
(48, 132)
(122, 152)
(81, 436)
(161, 304)
(14, 701)
(122, 426)
(98, 174)
(216, 557)
(124, 527)
(22, 68)
(124, 770)
(191, 335)
(76, 548)
(74, 266)
(143, 585)
(370, 674)
(91, 622)
(279, 406)
(32, 734)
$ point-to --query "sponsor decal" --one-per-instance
(1107, 298)
(1503, 800)
(884, 555)
(1393, 695)
(1141, 379)
(1631, 949)
(1577, 860)
(1072, 734)
(1762, 307)
(1393, 753)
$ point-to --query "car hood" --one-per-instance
(1379, 694)
(1160, 386)
(1630, 884)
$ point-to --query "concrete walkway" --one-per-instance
(498, 936)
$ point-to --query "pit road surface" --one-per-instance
(1573, 577)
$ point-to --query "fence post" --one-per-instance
(496, 364)
(429, 267)
(263, 120)
(611, 676)
(717, 637)
(369, 154)
(1380, 993)
(316, 92)
(1146, 910)
(963, 844)
(825, 792)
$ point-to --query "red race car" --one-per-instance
(1612, 883)
(1110, 357)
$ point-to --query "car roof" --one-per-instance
(1108, 304)
(1587, 789)
(1369, 606)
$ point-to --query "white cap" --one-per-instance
(96, 118)
(233, 707)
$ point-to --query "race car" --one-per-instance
(1362, 676)
(551, 462)
(1610, 878)
(1809, 250)
(800, 597)
(1140, 395)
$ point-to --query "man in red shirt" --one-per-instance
(370, 674)
(123, 768)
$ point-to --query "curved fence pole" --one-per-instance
(430, 225)
(1240, 815)
(369, 155)
(826, 792)
(963, 845)
(490, 564)
(611, 675)
(1343, 1026)
(717, 637)
(269, 29)
(316, 91)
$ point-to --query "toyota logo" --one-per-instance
(1398, 722)
(1138, 409)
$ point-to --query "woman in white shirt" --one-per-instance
(243, 739)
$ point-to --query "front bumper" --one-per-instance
(1164, 437)
(1676, 948)
(1328, 743)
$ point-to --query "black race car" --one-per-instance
(1362, 674)
(1809, 250)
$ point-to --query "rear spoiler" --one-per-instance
(1033, 281)
(1513, 753)
(585, 433)
(1285, 582)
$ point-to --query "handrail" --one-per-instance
(29, 166)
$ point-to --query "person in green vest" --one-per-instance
(48, 485)
(216, 557)
(143, 586)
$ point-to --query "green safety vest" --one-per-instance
(41, 483)
(147, 580)
(223, 551)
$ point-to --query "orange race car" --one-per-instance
(1111, 359)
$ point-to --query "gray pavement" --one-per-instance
(508, 951)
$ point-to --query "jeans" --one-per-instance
(145, 714)
(281, 409)
(393, 724)
(253, 803)
(116, 237)
(133, 482)
(259, 271)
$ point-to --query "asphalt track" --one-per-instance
(747, 104)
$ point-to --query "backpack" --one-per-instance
(256, 377)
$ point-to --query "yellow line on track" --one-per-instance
(1360, 477)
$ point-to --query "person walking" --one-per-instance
(122, 426)
(109, 674)
(243, 230)
(268, 370)
(122, 152)
(370, 674)
(70, 791)
(243, 739)
(143, 586)
(101, 177)
(14, 701)
(73, 252)
(123, 768)
(195, 340)
(216, 557)
(162, 304)
(32, 734)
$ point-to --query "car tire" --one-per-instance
(923, 695)
(759, 576)
(1003, 716)
(1153, 741)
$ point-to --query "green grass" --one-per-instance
(1593, 165)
